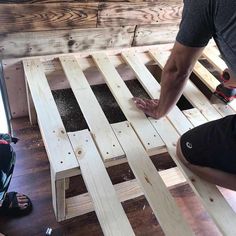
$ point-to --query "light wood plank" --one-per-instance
(123, 96)
(195, 116)
(110, 213)
(82, 204)
(138, 13)
(152, 87)
(205, 76)
(159, 198)
(212, 55)
(14, 74)
(210, 196)
(159, 33)
(48, 16)
(64, 41)
(31, 109)
(60, 152)
(102, 132)
(223, 109)
(58, 196)
(191, 92)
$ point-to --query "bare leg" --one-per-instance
(214, 176)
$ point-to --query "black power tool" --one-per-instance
(226, 94)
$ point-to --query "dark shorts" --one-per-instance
(212, 144)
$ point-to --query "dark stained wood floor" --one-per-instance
(32, 177)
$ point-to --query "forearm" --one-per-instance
(175, 75)
(172, 84)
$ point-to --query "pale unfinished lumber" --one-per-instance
(123, 96)
(56, 141)
(82, 204)
(153, 88)
(155, 191)
(110, 213)
(99, 126)
(195, 116)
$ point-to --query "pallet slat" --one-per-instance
(152, 87)
(212, 55)
(222, 214)
(195, 116)
(194, 96)
(60, 152)
(123, 96)
(153, 134)
(110, 213)
(91, 109)
(82, 204)
(159, 198)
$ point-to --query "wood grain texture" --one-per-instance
(164, 207)
(149, 138)
(99, 126)
(155, 34)
(82, 204)
(108, 208)
(118, 14)
(64, 41)
(152, 87)
(14, 75)
(75, 1)
(60, 152)
(37, 17)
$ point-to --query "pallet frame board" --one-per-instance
(152, 87)
(148, 136)
(100, 128)
(110, 213)
(137, 155)
(159, 198)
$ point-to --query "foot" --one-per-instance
(16, 204)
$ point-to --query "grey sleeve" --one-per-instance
(196, 27)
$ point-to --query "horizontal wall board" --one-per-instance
(155, 34)
(43, 1)
(37, 17)
(72, 1)
(117, 14)
(64, 41)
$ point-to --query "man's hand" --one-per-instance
(148, 106)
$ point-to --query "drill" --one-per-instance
(226, 94)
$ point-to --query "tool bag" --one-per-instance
(7, 162)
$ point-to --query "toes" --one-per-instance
(23, 200)
(23, 205)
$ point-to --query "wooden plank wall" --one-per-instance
(43, 27)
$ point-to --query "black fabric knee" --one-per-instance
(212, 144)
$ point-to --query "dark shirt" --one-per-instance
(204, 19)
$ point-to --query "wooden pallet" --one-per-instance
(89, 152)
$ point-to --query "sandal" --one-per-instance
(11, 207)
